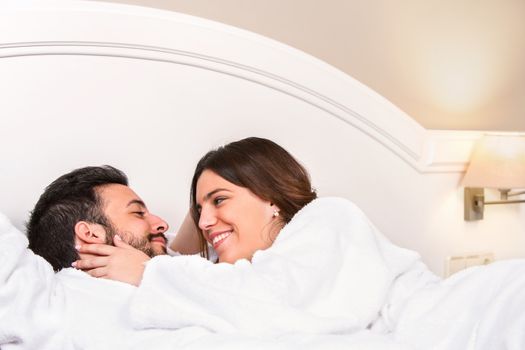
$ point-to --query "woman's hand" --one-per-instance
(186, 240)
(121, 262)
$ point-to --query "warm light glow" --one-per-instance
(460, 58)
(498, 161)
(462, 66)
(459, 78)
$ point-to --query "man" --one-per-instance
(41, 309)
(91, 205)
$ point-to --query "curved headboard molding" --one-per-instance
(29, 29)
(150, 91)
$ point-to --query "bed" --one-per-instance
(150, 91)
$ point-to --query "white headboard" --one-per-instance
(149, 91)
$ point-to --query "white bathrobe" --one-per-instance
(319, 278)
(329, 275)
(43, 310)
(328, 272)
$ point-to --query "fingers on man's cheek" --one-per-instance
(84, 264)
(97, 272)
(83, 249)
(89, 248)
(80, 264)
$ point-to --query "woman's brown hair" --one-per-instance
(263, 167)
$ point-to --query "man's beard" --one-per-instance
(141, 243)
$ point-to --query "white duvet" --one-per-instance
(367, 294)
(481, 308)
(329, 271)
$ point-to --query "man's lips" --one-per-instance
(158, 238)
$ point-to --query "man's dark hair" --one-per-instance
(67, 200)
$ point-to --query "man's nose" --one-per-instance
(158, 225)
(207, 218)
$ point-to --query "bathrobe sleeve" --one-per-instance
(30, 301)
(328, 271)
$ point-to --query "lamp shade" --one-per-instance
(498, 161)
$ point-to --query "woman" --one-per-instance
(246, 170)
(287, 262)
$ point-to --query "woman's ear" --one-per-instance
(87, 232)
(274, 210)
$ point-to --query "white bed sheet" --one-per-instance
(478, 309)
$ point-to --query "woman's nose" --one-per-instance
(207, 218)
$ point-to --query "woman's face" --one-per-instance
(233, 220)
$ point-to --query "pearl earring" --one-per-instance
(275, 213)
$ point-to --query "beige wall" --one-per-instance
(448, 64)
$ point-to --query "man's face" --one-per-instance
(130, 219)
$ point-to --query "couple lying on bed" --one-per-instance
(288, 263)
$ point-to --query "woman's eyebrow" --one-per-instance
(206, 197)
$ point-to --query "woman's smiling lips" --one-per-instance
(217, 238)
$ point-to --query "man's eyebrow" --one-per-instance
(136, 201)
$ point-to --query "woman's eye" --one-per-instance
(218, 200)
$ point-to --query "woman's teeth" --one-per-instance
(220, 237)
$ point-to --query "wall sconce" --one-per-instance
(498, 161)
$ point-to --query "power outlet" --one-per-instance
(454, 264)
